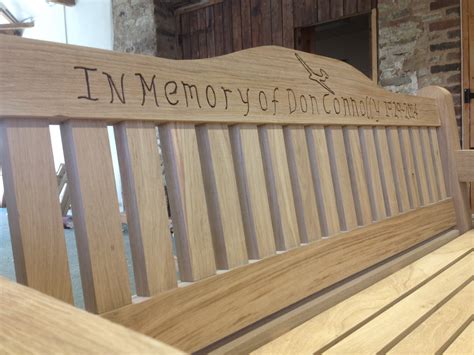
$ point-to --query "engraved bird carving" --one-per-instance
(320, 77)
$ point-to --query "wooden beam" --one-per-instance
(84, 83)
(197, 6)
(63, 2)
(16, 26)
(195, 316)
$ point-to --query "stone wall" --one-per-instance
(420, 45)
(134, 26)
(144, 27)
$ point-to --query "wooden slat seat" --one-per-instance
(428, 299)
(284, 183)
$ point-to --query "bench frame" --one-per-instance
(291, 96)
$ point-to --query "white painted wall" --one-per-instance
(88, 23)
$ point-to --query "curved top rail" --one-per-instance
(259, 85)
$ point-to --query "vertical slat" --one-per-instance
(37, 235)
(350, 7)
(288, 27)
(310, 12)
(419, 166)
(185, 36)
(261, 22)
(246, 24)
(178, 37)
(145, 204)
(363, 6)
(358, 176)
(386, 172)
(219, 29)
(437, 163)
(409, 167)
(298, 12)
(303, 188)
(236, 21)
(222, 196)
(187, 201)
(202, 36)
(322, 179)
(429, 164)
(372, 171)
(211, 43)
(95, 209)
(398, 169)
(277, 22)
(194, 35)
(337, 8)
(252, 191)
(342, 179)
(257, 22)
(324, 10)
(280, 193)
(229, 36)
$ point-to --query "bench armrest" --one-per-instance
(31, 322)
(465, 165)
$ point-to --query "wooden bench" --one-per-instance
(293, 183)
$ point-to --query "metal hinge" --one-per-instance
(468, 96)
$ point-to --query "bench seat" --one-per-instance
(432, 298)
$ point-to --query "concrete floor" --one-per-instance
(6, 258)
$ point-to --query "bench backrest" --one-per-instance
(265, 151)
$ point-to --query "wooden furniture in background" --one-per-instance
(289, 175)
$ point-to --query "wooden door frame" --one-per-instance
(374, 44)
(465, 83)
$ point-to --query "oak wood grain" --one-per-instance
(441, 185)
(197, 315)
(409, 167)
(326, 328)
(302, 181)
(187, 201)
(280, 193)
(448, 138)
(464, 342)
(97, 225)
(386, 172)
(146, 207)
(222, 196)
(252, 191)
(323, 180)
(398, 169)
(434, 332)
(31, 193)
(358, 176)
(342, 182)
(372, 170)
(33, 323)
(95, 84)
(389, 327)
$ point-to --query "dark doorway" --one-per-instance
(349, 40)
